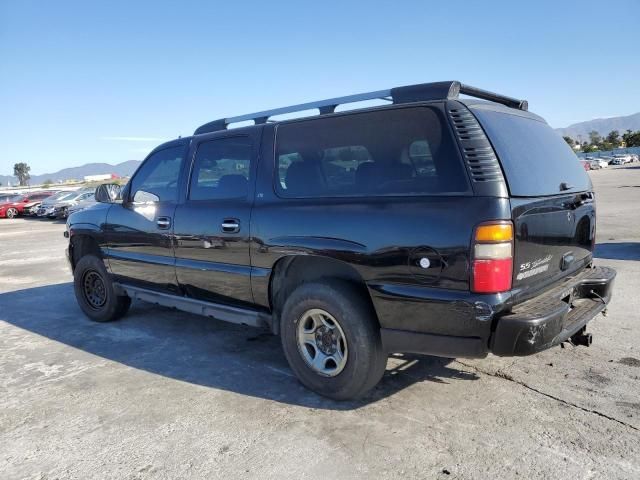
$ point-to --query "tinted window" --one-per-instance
(221, 169)
(157, 178)
(405, 151)
(535, 158)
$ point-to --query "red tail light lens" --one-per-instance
(492, 276)
(492, 268)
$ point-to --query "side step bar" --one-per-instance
(243, 316)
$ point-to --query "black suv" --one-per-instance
(430, 224)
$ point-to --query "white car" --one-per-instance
(601, 162)
(595, 165)
(625, 158)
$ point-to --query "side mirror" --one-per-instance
(108, 193)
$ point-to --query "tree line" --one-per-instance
(612, 140)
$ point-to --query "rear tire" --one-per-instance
(12, 213)
(331, 339)
(95, 293)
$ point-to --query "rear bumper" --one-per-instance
(552, 317)
(467, 328)
(395, 341)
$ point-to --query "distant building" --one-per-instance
(99, 178)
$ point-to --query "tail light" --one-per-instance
(492, 268)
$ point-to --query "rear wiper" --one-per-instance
(565, 186)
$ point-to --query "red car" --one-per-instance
(21, 204)
(585, 164)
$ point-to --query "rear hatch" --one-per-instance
(552, 202)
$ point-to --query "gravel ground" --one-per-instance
(163, 394)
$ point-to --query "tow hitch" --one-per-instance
(580, 338)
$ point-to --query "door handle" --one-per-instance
(164, 223)
(230, 225)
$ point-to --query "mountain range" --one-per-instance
(580, 131)
(123, 169)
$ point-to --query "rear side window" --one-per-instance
(407, 151)
(535, 159)
(221, 169)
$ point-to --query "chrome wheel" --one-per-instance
(12, 213)
(94, 289)
(321, 342)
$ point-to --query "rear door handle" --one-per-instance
(230, 225)
(164, 223)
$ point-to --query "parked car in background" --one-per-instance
(594, 165)
(46, 207)
(586, 164)
(35, 200)
(61, 208)
(82, 205)
(621, 158)
(601, 161)
(22, 204)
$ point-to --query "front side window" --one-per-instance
(406, 151)
(157, 178)
(221, 169)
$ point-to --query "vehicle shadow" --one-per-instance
(199, 350)
(618, 251)
(44, 219)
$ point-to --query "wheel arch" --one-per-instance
(292, 271)
(84, 240)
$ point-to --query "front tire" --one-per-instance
(12, 213)
(331, 339)
(95, 293)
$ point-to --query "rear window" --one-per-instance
(405, 151)
(536, 160)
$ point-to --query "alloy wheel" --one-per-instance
(322, 342)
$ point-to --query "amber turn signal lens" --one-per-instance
(494, 233)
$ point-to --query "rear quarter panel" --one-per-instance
(382, 238)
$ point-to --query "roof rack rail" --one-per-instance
(408, 94)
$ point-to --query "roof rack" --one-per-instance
(412, 93)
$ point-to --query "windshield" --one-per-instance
(80, 196)
(536, 160)
(60, 196)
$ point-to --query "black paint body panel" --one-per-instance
(382, 239)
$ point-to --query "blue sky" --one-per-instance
(106, 81)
